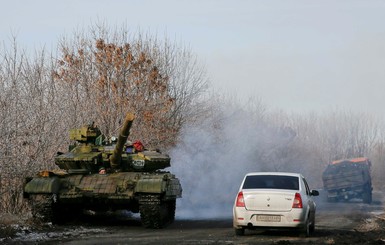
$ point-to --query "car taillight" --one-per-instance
(240, 201)
(297, 203)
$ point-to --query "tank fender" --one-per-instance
(151, 185)
(43, 186)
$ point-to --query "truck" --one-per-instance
(348, 179)
(103, 175)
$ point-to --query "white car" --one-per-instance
(274, 200)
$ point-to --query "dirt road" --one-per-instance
(336, 223)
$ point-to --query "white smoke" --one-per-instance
(213, 158)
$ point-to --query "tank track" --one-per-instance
(154, 212)
(42, 208)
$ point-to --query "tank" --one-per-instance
(101, 175)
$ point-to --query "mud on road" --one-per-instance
(336, 223)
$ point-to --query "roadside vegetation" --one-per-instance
(100, 75)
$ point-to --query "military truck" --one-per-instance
(131, 178)
(347, 179)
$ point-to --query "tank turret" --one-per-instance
(91, 152)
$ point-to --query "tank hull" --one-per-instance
(152, 194)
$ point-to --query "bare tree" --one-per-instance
(29, 126)
(322, 138)
(106, 74)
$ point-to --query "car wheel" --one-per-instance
(305, 230)
(240, 232)
(312, 227)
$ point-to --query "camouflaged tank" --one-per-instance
(133, 180)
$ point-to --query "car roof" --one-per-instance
(274, 173)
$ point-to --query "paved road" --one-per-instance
(336, 223)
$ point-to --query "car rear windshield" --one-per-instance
(271, 182)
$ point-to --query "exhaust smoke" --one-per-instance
(213, 157)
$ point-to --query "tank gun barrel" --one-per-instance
(116, 156)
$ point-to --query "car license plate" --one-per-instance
(269, 218)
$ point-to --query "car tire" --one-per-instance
(305, 230)
(240, 232)
(312, 227)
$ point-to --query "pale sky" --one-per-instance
(296, 55)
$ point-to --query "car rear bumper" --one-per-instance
(243, 218)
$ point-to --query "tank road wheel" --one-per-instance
(63, 214)
(42, 208)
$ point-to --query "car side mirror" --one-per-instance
(314, 193)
